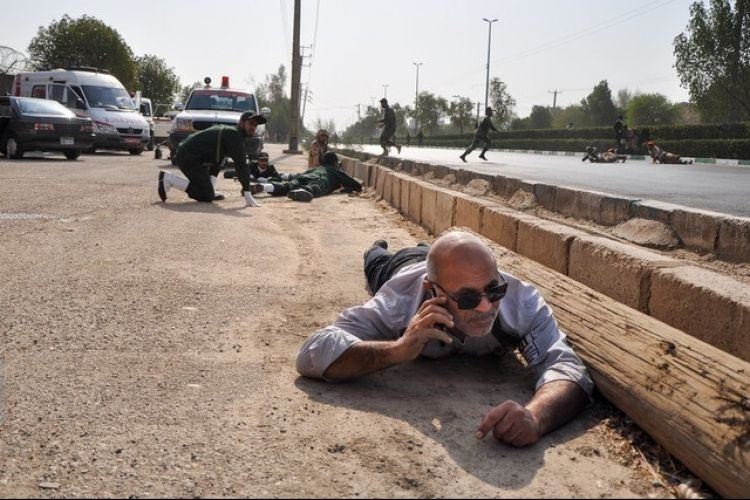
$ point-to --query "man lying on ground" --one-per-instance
(451, 298)
(312, 183)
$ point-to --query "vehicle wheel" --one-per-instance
(72, 155)
(13, 148)
(135, 151)
(150, 145)
(91, 150)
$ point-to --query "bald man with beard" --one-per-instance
(447, 299)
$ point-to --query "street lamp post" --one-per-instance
(416, 98)
(385, 91)
(489, 44)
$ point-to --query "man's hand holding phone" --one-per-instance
(425, 326)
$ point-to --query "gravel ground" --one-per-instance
(147, 348)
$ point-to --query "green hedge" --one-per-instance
(703, 141)
(698, 148)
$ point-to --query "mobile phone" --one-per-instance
(454, 332)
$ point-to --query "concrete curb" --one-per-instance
(670, 290)
(725, 235)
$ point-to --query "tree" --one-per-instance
(520, 124)
(272, 94)
(156, 80)
(461, 112)
(540, 117)
(187, 89)
(713, 58)
(570, 116)
(364, 128)
(502, 102)
(598, 105)
(432, 110)
(651, 109)
(86, 41)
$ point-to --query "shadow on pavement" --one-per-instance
(458, 392)
(190, 206)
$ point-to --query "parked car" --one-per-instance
(209, 106)
(31, 124)
(92, 93)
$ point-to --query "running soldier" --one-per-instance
(388, 122)
(481, 135)
(210, 147)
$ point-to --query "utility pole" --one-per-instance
(359, 113)
(554, 96)
(478, 104)
(385, 91)
(295, 96)
(305, 101)
(416, 98)
(487, 82)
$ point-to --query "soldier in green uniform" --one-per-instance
(210, 147)
(312, 183)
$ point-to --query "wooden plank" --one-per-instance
(691, 397)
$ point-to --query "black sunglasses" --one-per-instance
(470, 300)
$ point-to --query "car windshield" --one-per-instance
(221, 100)
(43, 107)
(108, 97)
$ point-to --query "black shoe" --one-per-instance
(162, 191)
(300, 195)
(256, 188)
(380, 243)
(463, 158)
(218, 197)
(398, 148)
(483, 157)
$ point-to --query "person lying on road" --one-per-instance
(312, 183)
(451, 298)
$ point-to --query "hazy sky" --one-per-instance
(359, 46)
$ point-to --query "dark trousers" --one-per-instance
(200, 187)
(386, 138)
(476, 142)
(314, 185)
(381, 264)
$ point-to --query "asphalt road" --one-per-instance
(709, 187)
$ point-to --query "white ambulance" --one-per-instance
(94, 94)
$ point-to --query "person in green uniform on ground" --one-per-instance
(200, 156)
(261, 171)
(481, 135)
(312, 183)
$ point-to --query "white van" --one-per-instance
(94, 94)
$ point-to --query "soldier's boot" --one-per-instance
(482, 155)
(300, 195)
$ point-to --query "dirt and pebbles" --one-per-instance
(147, 350)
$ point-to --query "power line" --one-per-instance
(608, 23)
